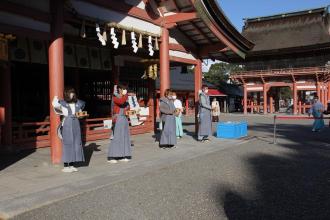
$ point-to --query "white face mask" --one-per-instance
(174, 97)
(124, 92)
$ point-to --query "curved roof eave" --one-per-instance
(211, 13)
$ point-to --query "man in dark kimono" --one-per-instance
(205, 118)
(120, 146)
(167, 110)
(70, 131)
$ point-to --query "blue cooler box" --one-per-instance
(231, 130)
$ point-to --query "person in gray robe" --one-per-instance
(167, 110)
(205, 117)
(69, 130)
(120, 145)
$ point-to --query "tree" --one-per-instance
(220, 72)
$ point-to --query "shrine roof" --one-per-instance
(211, 31)
(289, 31)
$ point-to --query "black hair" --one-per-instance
(67, 97)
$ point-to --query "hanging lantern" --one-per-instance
(156, 44)
(83, 30)
(140, 41)
(155, 69)
(150, 71)
(123, 38)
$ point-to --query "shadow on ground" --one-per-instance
(290, 185)
(88, 153)
(7, 159)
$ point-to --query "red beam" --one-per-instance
(179, 17)
(183, 60)
(131, 10)
(179, 47)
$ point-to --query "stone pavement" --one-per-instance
(32, 181)
(247, 180)
(253, 178)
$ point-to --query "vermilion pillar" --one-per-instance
(318, 89)
(295, 97)
(271, 106)
(187, 103)
(164, 56)
(324, 94)
(157, 107)
(328, 99)
(5, 89)
(198, 86)
(265, 98)
(56, 74)
(245, 99)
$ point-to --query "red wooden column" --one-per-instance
(299, 108)
(5, 89)
(271, 106)
(157, 107)
(324, 95)
(321, 93)
(265, 98)
(56, 74)
(187, 103)
(295, 98)
(151, 103)
(318, 89)
(164, 56)
(245, 99)
(198, 86)
(328, 87)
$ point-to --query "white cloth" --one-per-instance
(59, 109)
(215, 108)
(73, 108)
(178, 104)
(133, 103)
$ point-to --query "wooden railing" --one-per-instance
(36, 134)
(281, 72)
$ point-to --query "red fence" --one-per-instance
(36, 134)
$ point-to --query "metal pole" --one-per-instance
(274, 138)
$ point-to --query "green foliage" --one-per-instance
(220, 72)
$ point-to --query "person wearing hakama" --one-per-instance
(167, 110)
(205, 118)
(317, 112)
(120, 145)
(69, 131)
(178, 115)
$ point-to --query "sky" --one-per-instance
(236, 10)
